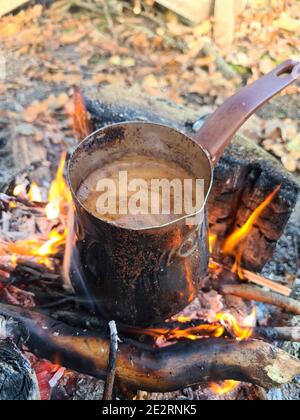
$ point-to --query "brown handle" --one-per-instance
(220, 127)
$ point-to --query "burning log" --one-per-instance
(165, 369)
(245, 175)
(259, 295)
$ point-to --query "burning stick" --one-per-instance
(165, 369)
(111, 374)
(254, 293)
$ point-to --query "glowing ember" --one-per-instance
(183, 319)
(240, 234)
(224, 387)
(59, 193)
(34, 193)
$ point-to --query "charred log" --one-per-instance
(17, 379)
(166, 369)
(244, 177)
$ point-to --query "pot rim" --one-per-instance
(147, 228)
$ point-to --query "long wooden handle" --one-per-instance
(220, 127)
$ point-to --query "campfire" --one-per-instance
(219, 339)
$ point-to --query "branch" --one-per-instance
(259, 295)
(159, 370)
(111, 374)
(291, 334)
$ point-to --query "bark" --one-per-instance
(161, 370)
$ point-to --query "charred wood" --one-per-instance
(165, 369)
(17, 378)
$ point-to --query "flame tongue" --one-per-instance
(239, 235)
(59, 199)
(225, 322)
(59, 193)
(224, 388)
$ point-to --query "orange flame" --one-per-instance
(240, 234)
(224, 387)
(59, 193)
(19, 191)
(59, 198)
(34, 193)
(212, 238)
(242, 331)
(225, 321)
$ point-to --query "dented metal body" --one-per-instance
(138, 276)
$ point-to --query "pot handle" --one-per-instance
(220, 127)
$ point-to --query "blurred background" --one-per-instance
(195, 53)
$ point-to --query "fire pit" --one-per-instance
(221, 341)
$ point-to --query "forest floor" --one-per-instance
(46, 51)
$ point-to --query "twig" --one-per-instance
(109, 20)
(263, 281)
(291, 334)
(260, 280)
(111, 373)
(254, 293)
(8, 199)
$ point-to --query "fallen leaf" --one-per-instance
(72, 37)
(115, 60)
(289, 163)
(32, 112)
(266, 65)
(57, 102)
(286, 23)
(294, 145)
(203, 29)
(274, 128)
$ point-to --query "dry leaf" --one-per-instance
(287, 23)
(289, 163)
(31, 113)
(266, 65)
(294, 145)
(72, 37)
(202, 29)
